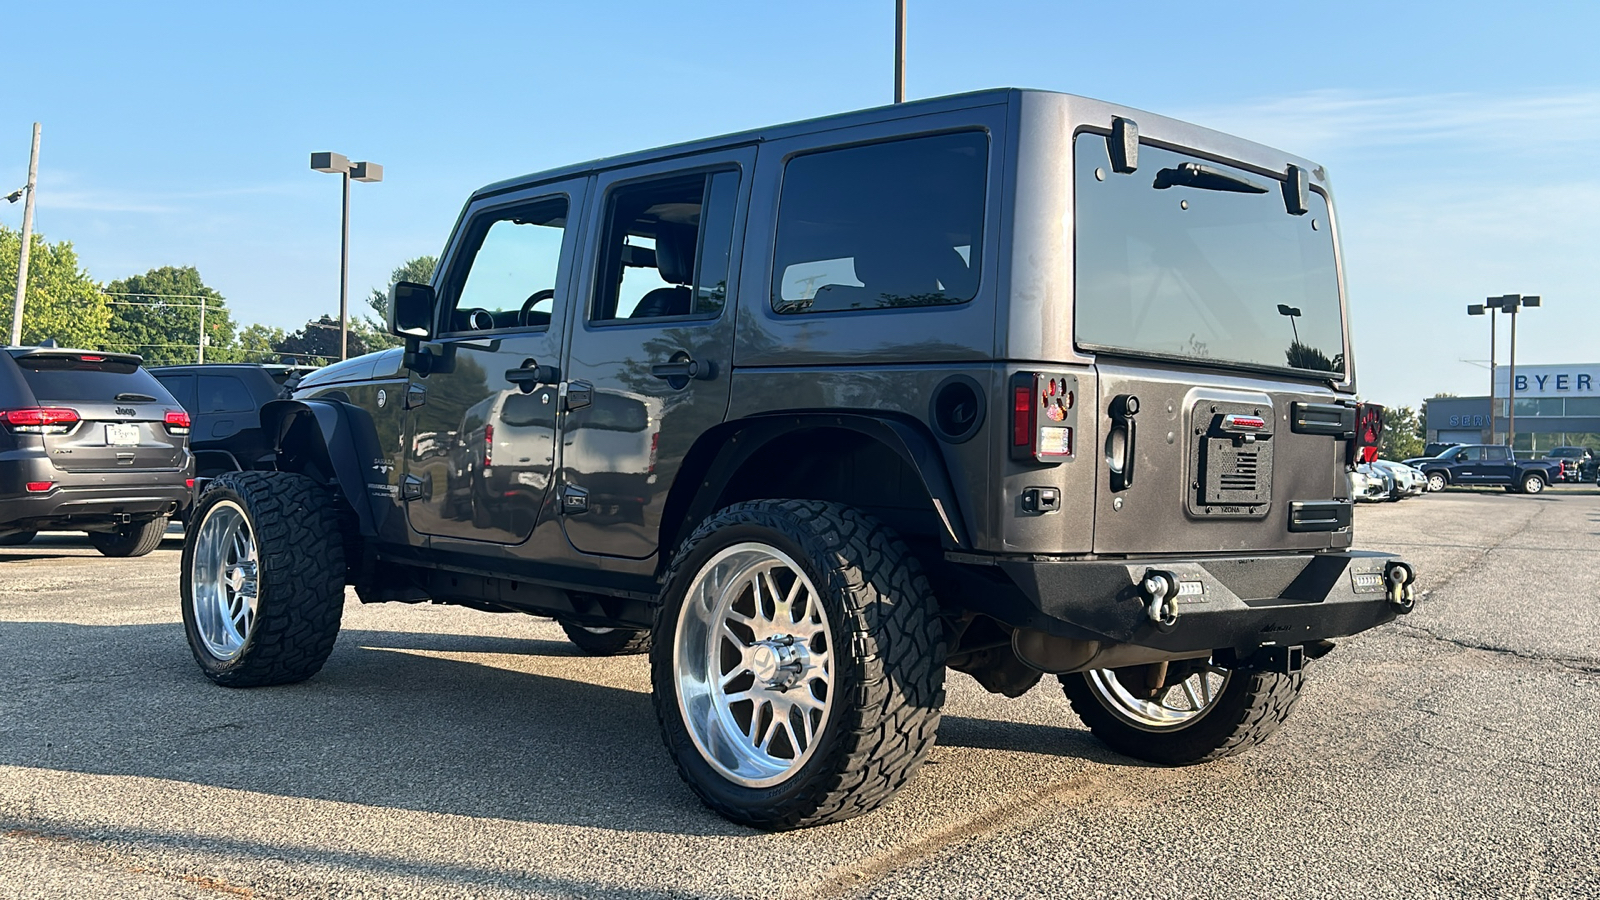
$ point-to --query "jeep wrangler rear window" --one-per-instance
(1211, 268)
(894, 224)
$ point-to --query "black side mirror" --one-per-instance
(411, 310)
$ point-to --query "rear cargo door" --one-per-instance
(121, 411)
(1211, 297)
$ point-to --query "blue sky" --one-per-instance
(1457, 135)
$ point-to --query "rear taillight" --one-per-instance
(488, 448)
(1369, 434)
(1042, 416)
(40, 420)
(177, 421)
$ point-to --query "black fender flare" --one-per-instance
(743, 438)
(341, 445)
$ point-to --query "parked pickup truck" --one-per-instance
(1487, 464)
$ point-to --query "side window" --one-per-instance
(1495, 454)
(512, 279)
(224, 394)
(666, 246)
(883, 225)
(181, 387)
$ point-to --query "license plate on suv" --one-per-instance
(122, 435)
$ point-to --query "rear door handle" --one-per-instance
(1123, 408)
(684, 368)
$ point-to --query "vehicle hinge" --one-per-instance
(411, 488)
(574, 500)
(579, 395)
(416, 395)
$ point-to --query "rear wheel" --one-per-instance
(1437, 481)
(607, 641)
(262, 579)
(798, 663)
(18, 539)
(135, 539)
(1199, 713)
(1532, 483)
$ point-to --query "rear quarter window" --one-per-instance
(892, 224)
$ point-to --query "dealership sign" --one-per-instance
(1550, 381)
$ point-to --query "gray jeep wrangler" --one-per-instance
(1013, 383)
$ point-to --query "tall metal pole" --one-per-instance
(899, 51)
(344, 274)
(1511, 424)
(1492, 411)
(200, 345)
(27, 240)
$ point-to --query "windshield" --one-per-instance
(1198, 260)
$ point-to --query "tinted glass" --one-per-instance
(513, 270)
(522, 410)
(616, 413)
(224, 393)
(1210, 268)
(182, 388)
(884, 225)
(1494, 453)
(69, 385)
(716, 242)
(1583, 406)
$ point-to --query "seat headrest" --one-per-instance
(675, 252)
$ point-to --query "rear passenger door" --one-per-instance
(648, 364)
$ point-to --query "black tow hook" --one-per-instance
(1160, 593)
(1399, 577)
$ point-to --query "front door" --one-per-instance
(648, 371)
(484, 405)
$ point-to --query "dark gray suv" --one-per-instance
(1012, 383)
(89, 441)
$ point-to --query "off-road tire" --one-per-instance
(1248, 711)
(1437, 481)
(133, 539)
(610, 642)
(19, 539)
(889, 663)
(300, 578)
(1532, 483)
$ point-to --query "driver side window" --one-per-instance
(511, 283)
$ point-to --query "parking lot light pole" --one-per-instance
(899, 51)
(337, 163)
(1292, 312)
(1509, 304)
(1478, 309)
(30, 189)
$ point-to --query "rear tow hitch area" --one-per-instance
(1399, 576)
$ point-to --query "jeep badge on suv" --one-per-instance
(1012, 383)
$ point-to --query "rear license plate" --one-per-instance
(122, 435)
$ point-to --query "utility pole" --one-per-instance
(200, 345)
(27, 239)
(899, 51)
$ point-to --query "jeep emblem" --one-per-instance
(124, 411)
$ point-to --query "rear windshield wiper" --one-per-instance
(130, 397)
(1206, 178)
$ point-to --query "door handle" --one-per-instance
(684, 368)
(532, 374)
(1123, 408)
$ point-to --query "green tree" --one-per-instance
(258, 343)
(1403, 433)
(319, 341)
(156, 315)
(374, 330)
(61, 300)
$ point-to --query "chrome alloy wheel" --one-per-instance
(753, 664)
(225, 590)
(1177, 706)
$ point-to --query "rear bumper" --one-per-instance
(87, 501)
(1239, 602)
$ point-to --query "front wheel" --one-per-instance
(798, 663)
(1533, 483)
(1437, 481)
(262, 579)
(136, 539)
(1198, 712)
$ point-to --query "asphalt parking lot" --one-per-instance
(449, 753)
